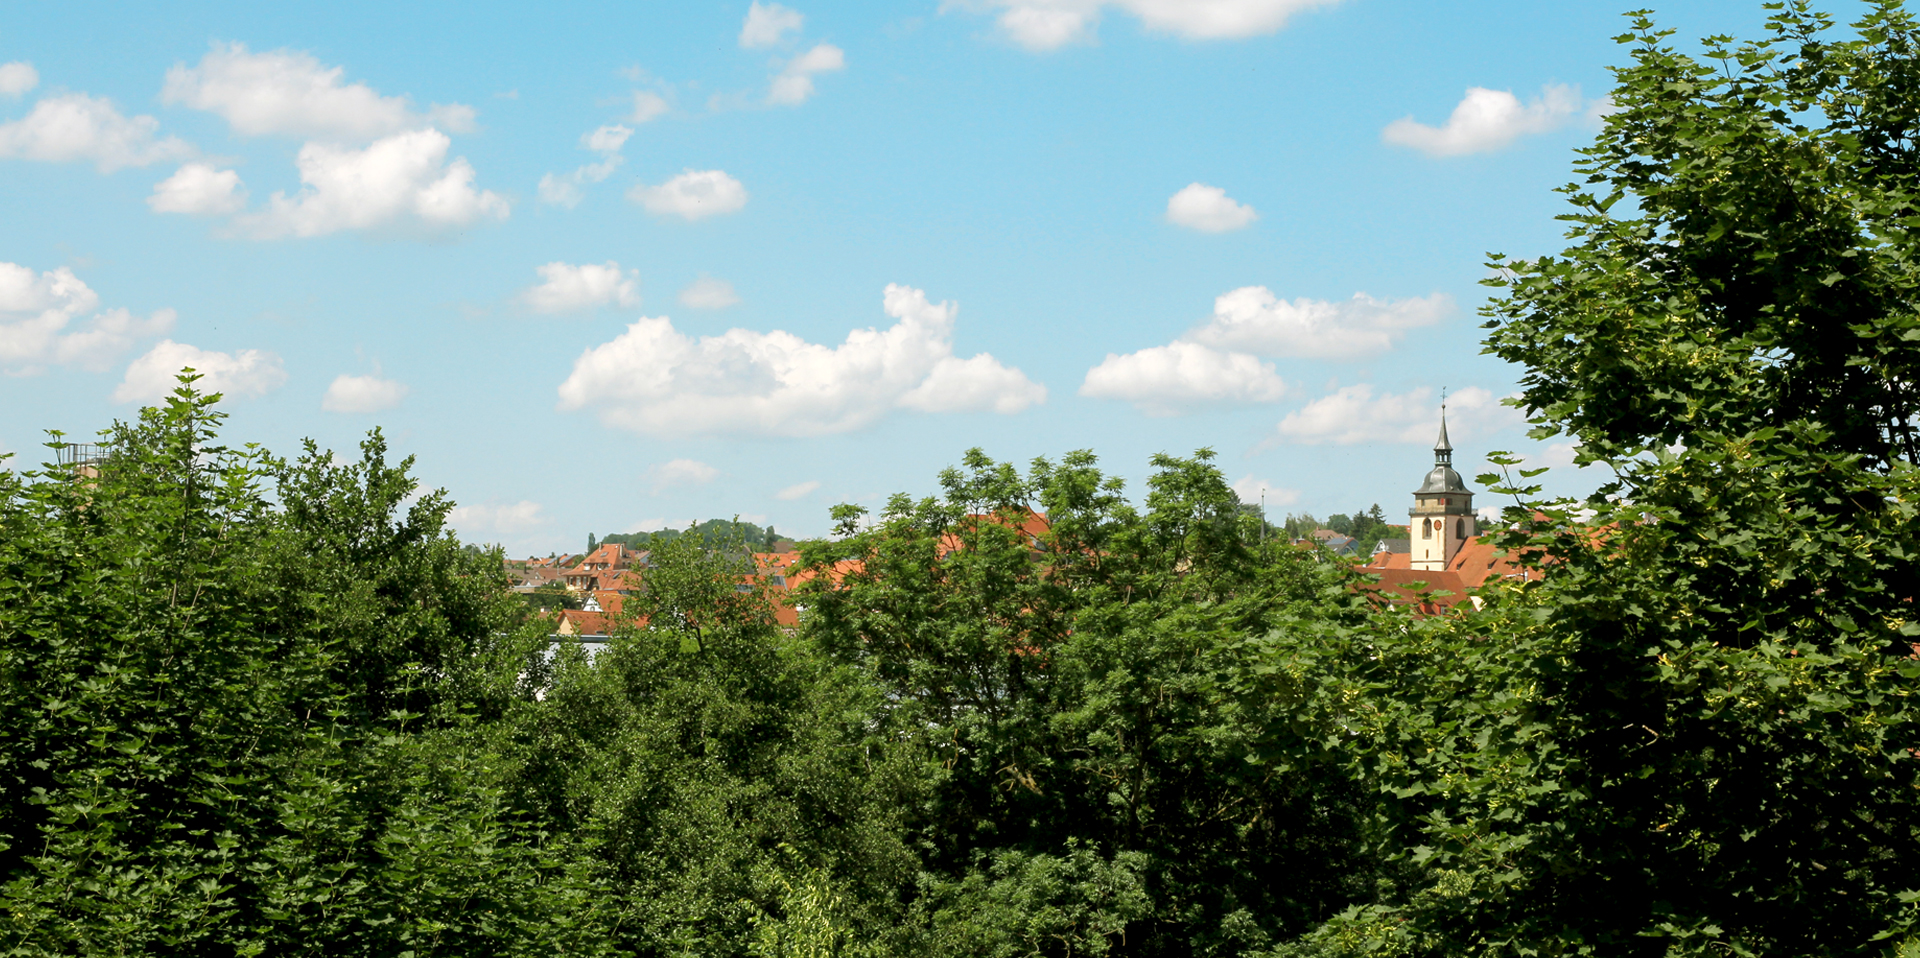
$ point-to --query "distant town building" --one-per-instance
(1444, 552)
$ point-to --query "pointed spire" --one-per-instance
(1442, 449)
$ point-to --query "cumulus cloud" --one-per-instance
(17, 78)
(363, 394)
(497, 517)
(73, 127)
(198, 189)
(1252, 491)
(1558, 455)
(767, 24)
(566, 288)
(1354, 414)
(288, 92)
(36, 310)
(709, 293)
(1252, 319)
(565, 190)
(798, 490)
(606, 139)
(1049, 24)
(1208, 209)
(655, 380)
(1220, 361)
(794, 84)
(1487, 120)
(647, 105)
(693, 195)
(247, 372)
(979, 382)
(682, 472)
(1164, 380)
(403, 182)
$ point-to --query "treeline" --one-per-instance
(709, 533)
(261, 706)
(1366, 526)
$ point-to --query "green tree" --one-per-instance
(1098, 783)
(720, 768)
(228, 727)
(1694, 736)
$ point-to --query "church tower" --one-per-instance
(1442, 514)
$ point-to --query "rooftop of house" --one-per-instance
(611, 555)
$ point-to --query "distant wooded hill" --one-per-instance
(710, 532)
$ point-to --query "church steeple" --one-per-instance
(1442, 514)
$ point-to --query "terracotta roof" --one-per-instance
(613, 555)
(1418, 588)
(535, 576)
(1477, 561)
(578, 622)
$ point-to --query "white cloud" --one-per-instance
(1252, 319)
(1164, 380)
(1048, 24)
(606, 141)
(652, 379)
(74, 126)
(567, 288)
(36, 309)
(248, 372)
(1220, 361)
(290, 93)
(682, 472)
(767, 24)
(565, 190)
(200, 190)
(709, 293)
(363, 394)
(647, 105)
(404, 181)
(693, 195)
(17, 78)
(108, 336)
(1487, 120)
(794, 84)
(1354, 414)
(798, 490)
(1557, 455)
(1208, 209)
(496, 517)
(980, 382)
(1250, 490)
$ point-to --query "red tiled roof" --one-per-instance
(580, 622)
(1477, 560)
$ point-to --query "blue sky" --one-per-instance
(604, 267)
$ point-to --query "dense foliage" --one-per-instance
(263, 706)
(231, 726)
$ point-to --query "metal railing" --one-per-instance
(75, 455)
